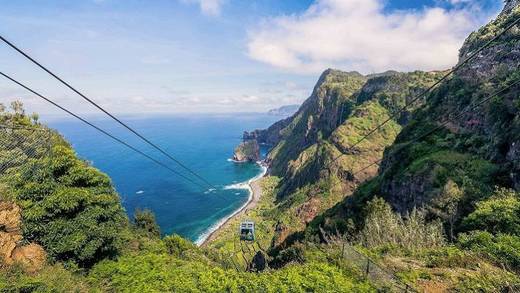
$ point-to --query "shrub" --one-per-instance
(176, 244)
(413, 232)
(292, 254)
(164, 273)
(50, 279)
(502, 249)
(144, 222)
(498, 214)
(450, 256)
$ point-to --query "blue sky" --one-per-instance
(221, 55)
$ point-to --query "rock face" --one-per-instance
(247, 151)
(501, 56)
(31, 256)
(510, 5)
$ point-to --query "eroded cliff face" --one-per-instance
(31, 256)
(341, 109)
(501, 57)
(270, 136)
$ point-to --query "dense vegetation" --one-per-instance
(441, 213)
(68, 207)
(463, 176)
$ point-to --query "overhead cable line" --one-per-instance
(468, 109)
(102, 131)
(107, 113)
(429, 89)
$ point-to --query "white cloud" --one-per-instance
(208, 7)
(360, 35)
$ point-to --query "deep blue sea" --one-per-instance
(204, 142)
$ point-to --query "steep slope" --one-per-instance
(311, 151)
(459, 165)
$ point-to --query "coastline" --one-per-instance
(255, 191)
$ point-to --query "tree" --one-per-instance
(68, 207)
(446, 206)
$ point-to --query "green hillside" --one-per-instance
(439, 213)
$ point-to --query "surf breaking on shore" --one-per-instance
(242, 185)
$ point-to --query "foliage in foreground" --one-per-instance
(165, 273)
(68, 207)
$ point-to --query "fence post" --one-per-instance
(368, 267)
(343, 250)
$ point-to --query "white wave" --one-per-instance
(139, 192)
(243, 185)
(237, 162)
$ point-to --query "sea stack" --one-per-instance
(248, 150)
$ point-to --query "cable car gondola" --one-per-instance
(247, 231)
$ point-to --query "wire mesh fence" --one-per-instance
(19, 145)
(349, 256)
(371, 270)
(241, 258)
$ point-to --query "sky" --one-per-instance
(170, 56)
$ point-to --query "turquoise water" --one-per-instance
(202, 142)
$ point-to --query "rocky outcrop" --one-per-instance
(270, 136)
(10, 234)
(501, 56)
(247, 151)
(32, 256)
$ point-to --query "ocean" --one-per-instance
(204, 142)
